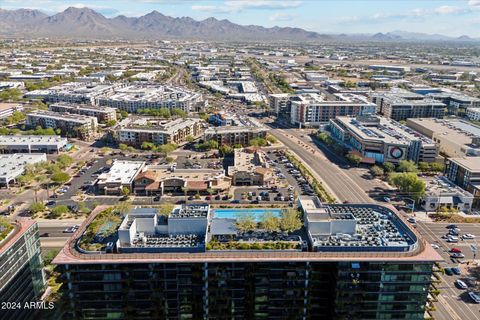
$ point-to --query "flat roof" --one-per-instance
(7, 105)
(15, 163)
(20, 226)
(381, 128)
(122, 171)
(472, 164)
(70, 255)
(32, 139)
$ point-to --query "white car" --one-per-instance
(452, 239)
(435, 246)
(461, 284)
(468, 236)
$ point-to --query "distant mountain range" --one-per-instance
(85, 23)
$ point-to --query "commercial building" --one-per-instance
(195, 263)
(135, 97)
(120, 175)
(7, 109)
(32, 144)
(465, 172)
(103, 114)
(162, 179)
(22, 279)
(136, 130)
(13, 165)
(442, 193)
(71, 125)
(403, 105)
(250, 168)
(242, 131)
(378, 139)
(74, 92)
(313, 110)
(456, 138)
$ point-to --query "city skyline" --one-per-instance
(451, 18)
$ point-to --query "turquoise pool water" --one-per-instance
(235, 213)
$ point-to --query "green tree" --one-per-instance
(111, 123)
(258, 142)
(245, 222)
(377, 171)
(388, 167)
(437, 167)
(147, 145)
(37, 207)
(423, 166)
(353, 158)
(290, 220)
(190, 138)
(11, 95)
(125, 191)
(212, 144)
(225, 150)
(60, 177)
(407, 166)
(123, 146)
(166, 208)
(269, 222)
(409, 183)
(271, 139)
(57, 211)
(49, 255)
(64, 161)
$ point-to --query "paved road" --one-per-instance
(350, 184)
(341, 183)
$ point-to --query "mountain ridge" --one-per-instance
(86, 23)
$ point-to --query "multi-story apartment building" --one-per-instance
(280, 104)
(473, 113)
(136, 97)
(22, 279)
(135, 131)
(465, 172)
(195, 263)
(403, 105)
(71, 125)
(242, 131)
(313, 110)
(32, 144)
(380, 140)
(456, 138)
(103, 114)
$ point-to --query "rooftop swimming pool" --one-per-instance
(236, 213)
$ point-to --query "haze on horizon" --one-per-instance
(452, 18)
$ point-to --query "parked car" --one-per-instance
(412, 220)
(474, 296)
(461, 284)
(451, 226)
(457, 271)
(468, 236)
(435, 246)
(457, 255)
(455, 250)
(448, 271)
(452, 239)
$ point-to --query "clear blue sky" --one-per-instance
(454, 17)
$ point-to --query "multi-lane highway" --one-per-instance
(352, 184)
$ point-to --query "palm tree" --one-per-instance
(185, 191)
(210, 192)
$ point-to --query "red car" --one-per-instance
(455, 250)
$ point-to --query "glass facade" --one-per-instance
(21, 275)
(249, 290)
